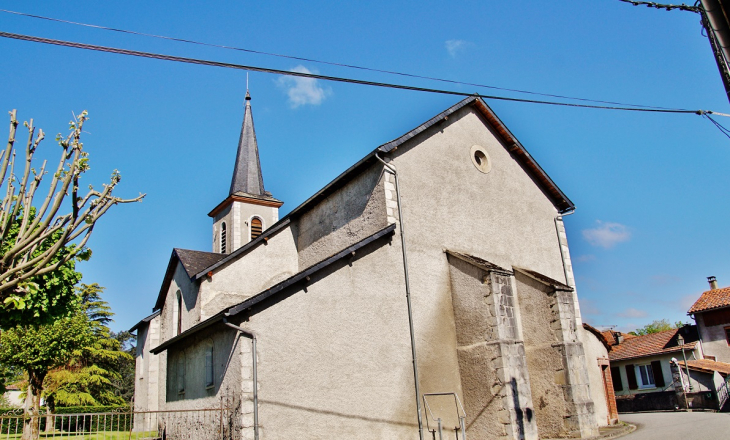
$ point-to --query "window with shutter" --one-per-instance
(616, 379)
(656, 367)
(256, 227)
(645, 375)
(631, 377)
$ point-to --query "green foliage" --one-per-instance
(43, 297)
(656, 326)
(90, 377)
(39, 348)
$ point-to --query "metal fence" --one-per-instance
(222, 423)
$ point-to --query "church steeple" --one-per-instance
(247, 177)
(249, 209)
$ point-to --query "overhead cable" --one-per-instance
(311, 60)
(324, 77)
(665, 6)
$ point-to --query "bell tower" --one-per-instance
(249, 209)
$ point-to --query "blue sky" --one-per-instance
(650, 189)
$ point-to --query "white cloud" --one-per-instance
(303, 91)
(455, 47)
(632, 313)
(606, 234)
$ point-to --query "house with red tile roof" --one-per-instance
(641, 368)
(711, 312)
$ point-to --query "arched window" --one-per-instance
(179, 312)
(256, 227)
(223, 238)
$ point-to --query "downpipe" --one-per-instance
(393, 171)
(251, 335)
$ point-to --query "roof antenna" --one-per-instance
(248, 95)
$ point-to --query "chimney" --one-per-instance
(713, 282)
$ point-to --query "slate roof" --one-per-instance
(195, 261)
(708, 366)
(247, 177)
(712, 299)
(144, 321)
(654, 344)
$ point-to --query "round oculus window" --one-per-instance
(480, 159)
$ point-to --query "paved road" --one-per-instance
(678, 426)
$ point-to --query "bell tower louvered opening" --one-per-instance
(256, 228)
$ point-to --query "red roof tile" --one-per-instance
(651, 344)
(707, 366)
(712, 299)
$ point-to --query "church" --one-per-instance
(428, 287)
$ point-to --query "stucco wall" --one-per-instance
(263, 266)
(147, 365)
(351, 214)
(191, 307)
(714, 340)
(335, 357)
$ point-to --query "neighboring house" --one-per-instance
(12, 396)
(711, 312)
(644, 377)
(308, 321)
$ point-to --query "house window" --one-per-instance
(727, 335)
(179, 312)
(646, 376)
(209, 378)
(181, 375)
(256, 227)
(223, 238)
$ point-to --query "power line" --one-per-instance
(350, 66)
(324, 77)
(665, 6)
(722, 129)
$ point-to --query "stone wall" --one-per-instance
(556, 361)
(492, 363)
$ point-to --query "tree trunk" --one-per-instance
(32, 422)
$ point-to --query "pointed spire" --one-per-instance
(247, 177)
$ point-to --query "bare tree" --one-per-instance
(37, 239)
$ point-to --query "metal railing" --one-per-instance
(460, 413)
(126, 424)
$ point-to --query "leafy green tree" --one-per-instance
(656, 326)
(91, 376)
(45, 240)
(39, 349)
(48, 295)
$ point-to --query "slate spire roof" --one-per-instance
(247, 177)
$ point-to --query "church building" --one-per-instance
(429, 286)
